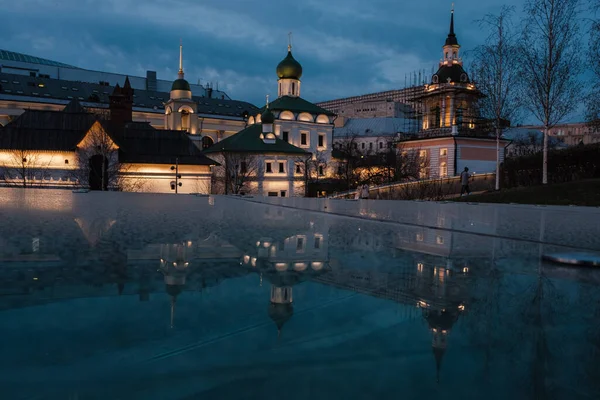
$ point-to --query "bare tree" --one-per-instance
(550, 63)
(97, 162)
(348, 161)
(495, 65)
(235, 173)
(593, 58)
(25, 168)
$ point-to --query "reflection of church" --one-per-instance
(390, 264)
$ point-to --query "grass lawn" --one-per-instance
(580, 193)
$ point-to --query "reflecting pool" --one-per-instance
(136, 296)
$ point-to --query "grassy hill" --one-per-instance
(580, 193)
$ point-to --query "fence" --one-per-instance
(428, 189)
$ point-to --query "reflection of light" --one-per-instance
(162, 261)
(317, 266)
(246, 259)
(420, 267)
(257, 244)
(189, 243)
(281, 266)
(444, 332)
(253, 261)
(300, 266)
(266, 244)
(422, 304)
(435, 330)
(175, 264)
(186, 264)
(461, 307)
(465, 270)
(35, 278)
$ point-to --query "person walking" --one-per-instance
(364, 192)
(464, 182)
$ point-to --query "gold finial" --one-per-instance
(267, 101)
(180, 59)
(290, 41)
(452, 8)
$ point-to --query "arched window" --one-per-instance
(443, 169)
(185, 120)
(207, 142)
(293, 88)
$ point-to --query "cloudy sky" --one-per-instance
(346, 47)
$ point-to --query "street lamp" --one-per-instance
(175, 184)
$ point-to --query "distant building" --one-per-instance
(32, 83)
(572, 134)
(74, 148)
(368, 135)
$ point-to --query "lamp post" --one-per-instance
(175, 184)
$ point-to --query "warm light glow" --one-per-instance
(420, 267)
(266, 244)
(317, 266)
(35, 278)
(465, 270)
(422, 304)
(461, 307)
(300, 266)
(246, 259)
(281, 266)
(253, 261)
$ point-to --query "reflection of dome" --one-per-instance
(280, 313)
(173, 290)
(442, 320)
(181, 84)
(289, 68)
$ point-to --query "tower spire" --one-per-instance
(452, 20)
(451, 39)
(289, 41)
(267, 106)
(180, 73)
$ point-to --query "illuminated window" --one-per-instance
(439, 239)
(443, 169)
(444, 152)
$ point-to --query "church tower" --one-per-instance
(181, 110)
(289, 72)
(449, 101)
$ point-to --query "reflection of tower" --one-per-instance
(174, 266)
(440, 322)
(281, 308)
(441, 291)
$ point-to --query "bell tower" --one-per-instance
(181, 109)
(289, 72)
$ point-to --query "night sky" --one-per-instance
(347, 47)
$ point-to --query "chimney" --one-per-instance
(121, 104)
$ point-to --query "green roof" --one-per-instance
(248, 141)
(180, 84)
(289, 68)
(296, 104)
(13, 56)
